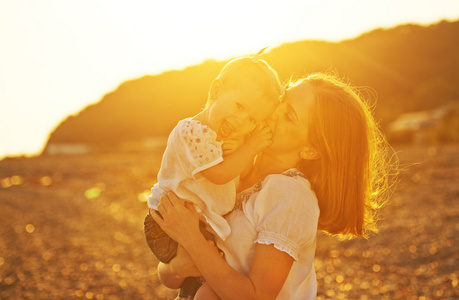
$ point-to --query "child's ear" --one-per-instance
(215, 89)
(309, 153)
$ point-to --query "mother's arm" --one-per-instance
(268, 272)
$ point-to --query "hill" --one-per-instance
(405, 68)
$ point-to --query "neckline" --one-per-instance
(244, 195)
(292, 172)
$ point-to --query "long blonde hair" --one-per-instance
(353, 176)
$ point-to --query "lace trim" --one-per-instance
(244, 196)
(293, 173)
(279, 242)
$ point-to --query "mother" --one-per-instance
(326, 169)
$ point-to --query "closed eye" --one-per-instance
(291, 115)
(239, 106)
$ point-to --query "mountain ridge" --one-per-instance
(404, 68)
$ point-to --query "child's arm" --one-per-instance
(235, 163)
(231, 145)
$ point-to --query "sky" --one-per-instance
(58, 56)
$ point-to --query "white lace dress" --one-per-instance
(192, 148)
(281, 210)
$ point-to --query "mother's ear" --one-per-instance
(215, 89)
(309, 153)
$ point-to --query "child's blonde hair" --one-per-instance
(254, 70)
(352, 176)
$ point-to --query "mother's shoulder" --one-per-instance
(291, 186)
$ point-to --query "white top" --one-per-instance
(281, 210)
(192, 148)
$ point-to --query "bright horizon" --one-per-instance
(57, 57)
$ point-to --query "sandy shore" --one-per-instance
(71, 227)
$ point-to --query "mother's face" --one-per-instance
(289, 122)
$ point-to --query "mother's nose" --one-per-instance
(277, 112)
(272, 119)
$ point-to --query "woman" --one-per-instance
(326, 169)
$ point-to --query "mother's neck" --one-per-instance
(265, 165)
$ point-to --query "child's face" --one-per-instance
(235, 112)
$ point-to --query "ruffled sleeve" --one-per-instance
(196, 146)
(285, 213)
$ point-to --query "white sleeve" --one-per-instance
(196, 146)
(285, 214)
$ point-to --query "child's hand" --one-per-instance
(260, 138)
(230, 145)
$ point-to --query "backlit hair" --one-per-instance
(258, 72)
(352, 177)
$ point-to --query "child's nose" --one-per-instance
(243, 118)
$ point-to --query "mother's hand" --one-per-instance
(178, 219)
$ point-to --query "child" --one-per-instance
(246, 91)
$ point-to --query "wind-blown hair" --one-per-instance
(352, 177)
(262, 77)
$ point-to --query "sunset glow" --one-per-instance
(56, 57)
